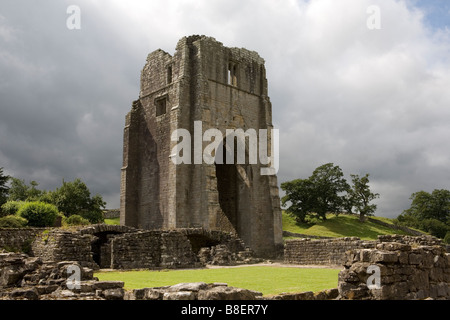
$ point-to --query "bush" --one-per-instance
(13, 222)
(76, 220)
(447, 237)
(92, 216)
(10, 208)
(39, 214)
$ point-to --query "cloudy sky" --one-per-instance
(371, 100)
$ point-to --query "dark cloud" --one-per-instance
(370, 101)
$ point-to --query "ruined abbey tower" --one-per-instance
(224, 88)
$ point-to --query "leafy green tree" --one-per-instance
(4, 189)
(19, 191)
(329, 186)
(321, 193)
(75, 198)
(430, 206)
(299, 194)
(360, 196)
(429, 212)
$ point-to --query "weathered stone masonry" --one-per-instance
(409, 269)
(224, 88)
(121, 247)
(333, 251)
(322, 252)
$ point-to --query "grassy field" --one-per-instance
(340, 226)
(115, 221)
(266, 279)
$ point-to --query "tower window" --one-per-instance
(232, 74)
(160, 106)
(169, 74)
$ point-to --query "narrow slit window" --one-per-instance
(169, 74)
(231, 74)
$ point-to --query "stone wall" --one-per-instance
(152, 249)
(408, 269)
(18, 240)
(322, 252)
(332, 251)
(61, 245)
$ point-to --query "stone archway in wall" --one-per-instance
(101, 244)
(233, 187)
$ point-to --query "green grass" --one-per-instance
(266, 279)
(340, 226)
(114, 221)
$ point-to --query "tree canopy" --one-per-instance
(4, 189)
(429, 212)
(327, 191)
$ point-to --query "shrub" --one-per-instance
(10, 208)
(13, 222)
(39, 214)
(76, 220)
(93, 216)
(447, 237)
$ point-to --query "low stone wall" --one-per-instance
(406, 270)
(332, 251)
(152, 249)
(111, 213)
(18, 240)
(121, 247)
(322, 252)
(61, 245)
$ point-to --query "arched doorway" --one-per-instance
(233, 186)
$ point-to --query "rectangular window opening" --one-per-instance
(232, 74)
(160, 106)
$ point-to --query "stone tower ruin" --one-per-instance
(221, 88)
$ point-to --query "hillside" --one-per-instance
(341, 226)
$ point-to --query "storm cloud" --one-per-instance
(369, 100)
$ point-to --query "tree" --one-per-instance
(4, 189)
(321, 193)
(429, 212)
(360, 196)
(299, 193)
(75, 198)
(329, 184)
(430, 206)
(18, 190)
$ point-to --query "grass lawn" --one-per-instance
(114, 221)
(339, 226)
(266, 279)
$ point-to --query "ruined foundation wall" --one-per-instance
(407, 270)
(152, 249)
(61, 245)
(19, 240)
(333, 251)
(322, 252)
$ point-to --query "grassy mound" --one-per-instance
(340, 226)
